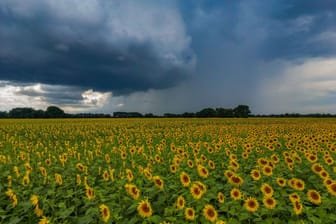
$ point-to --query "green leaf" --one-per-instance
(14, 220)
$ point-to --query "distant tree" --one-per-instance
(39, 114)
(149, 115)
(21, 112)
(241, 111)
(3, 114)
(54, 112)
(188, 114)
(222, 112)
(127, 114)
(207, 112)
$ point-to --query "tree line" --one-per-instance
(56, 112)
(242, 111)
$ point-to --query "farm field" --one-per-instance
(168, 170)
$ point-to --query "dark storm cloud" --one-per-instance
(38, 45)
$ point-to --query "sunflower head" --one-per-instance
(267, 170)
(314, 197)
(144, 209)
(332, 188)
(220, 197)
(251, 204)
(267, 190)
(293, 197)
(255, 174)
(281, 181)
(180, 202)
(196, 191)
(269, 202)
(189, 214)
(210, 213)
(297, 207)
(185, 179)
(158, 182)
(235, 194)
(105, 212)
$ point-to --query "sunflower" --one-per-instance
(189, 214)
(148, 174)
(234, 165)
(255, 174)
(211, 164)
(10, 193)
(262, 162)
(299, 185)
(185, 179)
(329, 161)
(158, 182)
(10, 180)
(220, 197)
(293, 197)
(312, 158)
(332, 188)
(78, 179)
(48, 162)
(43, 171)
(190, 163)
(34, 200)
(292, 182)
(133, 191)
(324, 174)
(105, 212)
(38, 212)
(251, 204)
(26, 179)
(173, 168)
(196, 191)
(267, 170)
(180, 202)
(123, 155)
(281, 181)
(317, 168)
(201, 186)
(43, 220)
(228, 173)
(210, 213)
(267, 190)
(89, 192)
(58, 178)
(129, 175)
(144, 209)
(314, 197)
(297, 207)
(106, 175)
(327, 182)
(275, 158)
(202, 171)
(269, 202)
(80, 167)
(17, 171)
(235, 194)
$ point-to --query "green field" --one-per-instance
(168, 171)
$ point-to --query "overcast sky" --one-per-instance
(160, 56)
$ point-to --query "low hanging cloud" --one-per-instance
(306, 87)
(40, 96)
(119, 46)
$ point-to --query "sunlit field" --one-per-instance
(168, 171)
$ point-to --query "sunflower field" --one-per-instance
(168, 171)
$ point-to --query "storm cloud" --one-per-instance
(106, 45)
